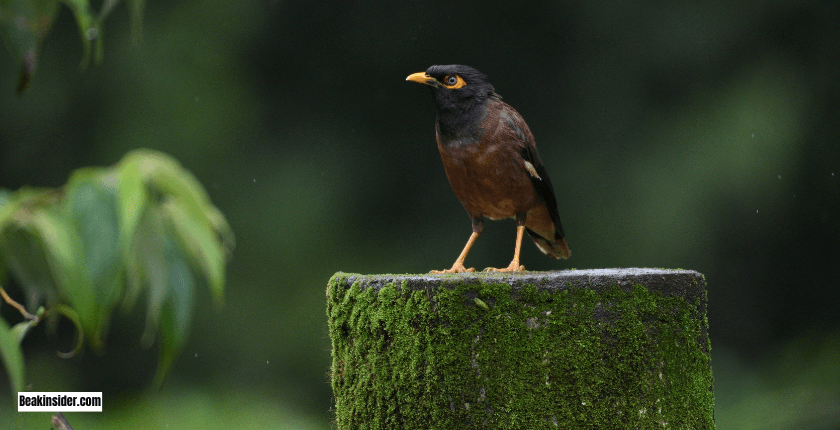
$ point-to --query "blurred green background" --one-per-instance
(696, 135)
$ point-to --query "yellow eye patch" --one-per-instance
(453, 82)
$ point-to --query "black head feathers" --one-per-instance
(461, 83)
(461, 94)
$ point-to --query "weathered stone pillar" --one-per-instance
(598, 349)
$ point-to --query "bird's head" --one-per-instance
(460, 93)
(455, 85)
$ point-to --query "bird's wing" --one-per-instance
(531, 162)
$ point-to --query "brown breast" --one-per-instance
(488, 175)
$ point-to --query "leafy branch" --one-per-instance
(24, 24)
(142, 228)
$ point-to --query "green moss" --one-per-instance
(445, 353)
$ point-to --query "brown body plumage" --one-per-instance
(491, 161)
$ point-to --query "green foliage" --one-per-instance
(25, 24)
(12, 356)
(481, 353)
(110, 234)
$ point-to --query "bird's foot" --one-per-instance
(456, 268)
(513, 267)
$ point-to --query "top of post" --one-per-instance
(685, 283)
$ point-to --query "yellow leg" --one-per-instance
(458, 266)
(514, 265)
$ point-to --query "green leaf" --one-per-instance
(3, 269)
(135, 8)
(93, 212)
(40, 246)
(106, 8)
(89, 30)
(12, 356)
(66, 256)
(202, 246)
(61, 309)
(132, 199)
(166, 176)
(222, 228)
(24, 256)
(181, 287)
(20, 329)
(11, 203)
(202, 229)
(6, 211)
(177, 313)
(5, 196)
(151, 266)
(24, 24)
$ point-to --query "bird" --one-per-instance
(492, 162)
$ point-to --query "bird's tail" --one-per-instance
(547, 234)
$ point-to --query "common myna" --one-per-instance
(492, 162)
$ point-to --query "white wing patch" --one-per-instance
(531, 170)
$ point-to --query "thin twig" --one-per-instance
(17, 306)
(60, 422)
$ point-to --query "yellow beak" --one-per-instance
(423, 78)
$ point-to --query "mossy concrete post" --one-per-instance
(572, 349)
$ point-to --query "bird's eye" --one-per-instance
(453, 82)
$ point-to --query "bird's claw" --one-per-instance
(456, 268)
(511, 268)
